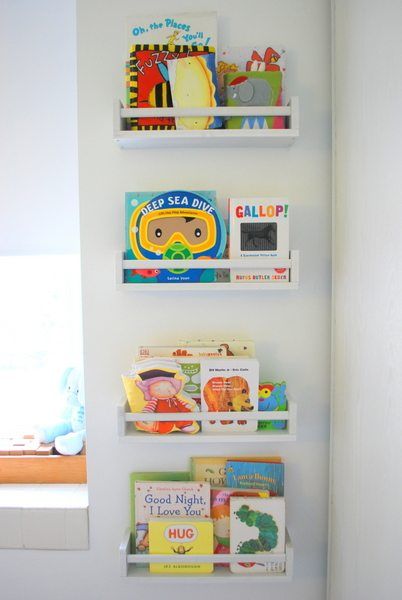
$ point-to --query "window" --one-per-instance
(40, 336)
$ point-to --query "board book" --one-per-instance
(181, 537)
(272, 397)
(151, 476)
(259, 228)
(230, 385)
(175, 225)
(270, 60)
(168, 499)
(220, 513)
(156, 385)
(257, 525)
(209, 468)
(256, 475)
(233, 347)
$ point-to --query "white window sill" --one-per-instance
(44, 516)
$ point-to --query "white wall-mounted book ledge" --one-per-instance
(136, 565)
(128, 139)
(126, 428)
(291, 263)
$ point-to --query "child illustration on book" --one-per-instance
(161, 392)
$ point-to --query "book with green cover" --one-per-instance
(151, 476)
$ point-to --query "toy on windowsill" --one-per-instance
(173, 225)
(272, 396)
(68, 432)
(156, 385)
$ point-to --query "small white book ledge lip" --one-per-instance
(129, 564)
(129, 139)
(291, 263)
(127, 430)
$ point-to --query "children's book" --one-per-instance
(175, 225)
(272, 397)
(263, 59)
(233, 347)
(149, 85)
(189, 29)
(156, 385)
(220, 513)
(259, 228)
(209, 468)
(168, 500)
(256, 475)
(181, 537)
(151, 476)
(257, 525)
(230, 385)
(193, 83)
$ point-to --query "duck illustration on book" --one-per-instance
(156, 386)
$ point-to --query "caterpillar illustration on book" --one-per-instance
(156, 386)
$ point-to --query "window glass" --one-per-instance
(40, 336)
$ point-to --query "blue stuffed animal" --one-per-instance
(68, 432)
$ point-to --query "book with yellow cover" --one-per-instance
(181, 537)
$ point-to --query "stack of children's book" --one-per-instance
(222, 505)
(172, 60)
(217, 376)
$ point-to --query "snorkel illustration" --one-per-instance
(177, 225)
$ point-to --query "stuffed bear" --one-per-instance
(68, 432)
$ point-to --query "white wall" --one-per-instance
(367, 410)
(38, 124)
(291, 328)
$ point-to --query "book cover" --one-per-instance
(272, 397)
(193, 83)
(257, 525)
(256, 475)
(156, 385)
(230, 385)
(181, 537)
(190, 29)
(209, 468)
(267, 59)
(233, 347)
(220, 513)
(168, 499)
(151, 476)
(149, 85)
(259, 228)
(173, 225)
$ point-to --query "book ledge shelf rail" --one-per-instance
(126, 429)
(291, 263)
(129, 139)
(135, 565)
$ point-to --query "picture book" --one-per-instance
(256, 475)
(272, 397)
(156, 386)
(190, 29)
(181, 351)
(233, 347)
(168, 499)
(193, 83)
(230, 385)
(173, 225)
(257, 525)
(209, 468)
(220, 513)
(263, 59)
(151, 476)
(245, 89)
(148, 80)
(259, 227)
(181, 537)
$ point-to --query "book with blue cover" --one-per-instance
(175, 225)
(256, 475)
